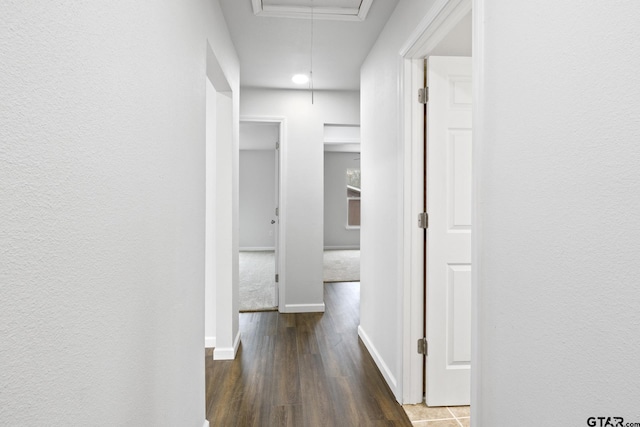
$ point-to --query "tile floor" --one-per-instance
(424, 416)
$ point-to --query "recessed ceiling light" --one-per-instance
(300, 79)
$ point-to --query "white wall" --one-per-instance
(381, 228)
(102, 213)
(336, 235)
(557, 166)
(257, 198)
(302, 180)
(259, 135)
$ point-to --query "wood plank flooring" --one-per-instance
(305, 369)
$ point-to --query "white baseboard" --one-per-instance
(257, 249)
(209, 342)
(384, 369)
(341, 248)
(206, 423)
(303, 308)
(228, 353)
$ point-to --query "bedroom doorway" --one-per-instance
(259, 215)
(342, 195)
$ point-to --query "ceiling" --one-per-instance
(272, 48)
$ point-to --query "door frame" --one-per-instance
(281, 174)
(435, 26)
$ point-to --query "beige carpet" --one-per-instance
(257, 281)
(342, 266)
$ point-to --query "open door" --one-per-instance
(448, 247)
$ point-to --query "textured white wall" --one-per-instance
(303, 180)
(102, 213)
(336, 234)
(558, 201)
(381, 229)
(257, 198)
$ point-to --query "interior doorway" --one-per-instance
(447, 33)
(259, 219)
(221, 250)
(342, 195)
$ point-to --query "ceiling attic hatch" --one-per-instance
(338, 10)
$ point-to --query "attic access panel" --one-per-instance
(340, 10)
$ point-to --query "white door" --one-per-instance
(448, 254)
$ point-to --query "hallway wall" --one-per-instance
(303, 150)
(102, 213)
(559, 238)
(382, 229)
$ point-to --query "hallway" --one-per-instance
(302, 369)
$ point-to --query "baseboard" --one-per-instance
(384, 369)
(303, 308)
(257, 249)
(228, 353)
(342, 248)
(206, 423)
(209, 342)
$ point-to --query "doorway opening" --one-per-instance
(258, 215)
(448, 340)
(342, 195)
(221, 204)
(262, 213)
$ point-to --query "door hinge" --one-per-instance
(423, 220)
(423, 348)
(277, 145)
(277, 278)
(277, 211)
(423, 95)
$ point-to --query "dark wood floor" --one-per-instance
(302, 370)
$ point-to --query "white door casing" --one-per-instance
(448, 257)
(276, 218)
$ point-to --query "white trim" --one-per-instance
(436, 24)
(304, 12)
(413, 251)
(364, 9)
(342, 248)
(476, 219)
(434, 27)
(228, 353)
(257, 248)
(206, 423)
(338, 140)
(209, 342)
(223, 279)
(384, 369)
(303, 308)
